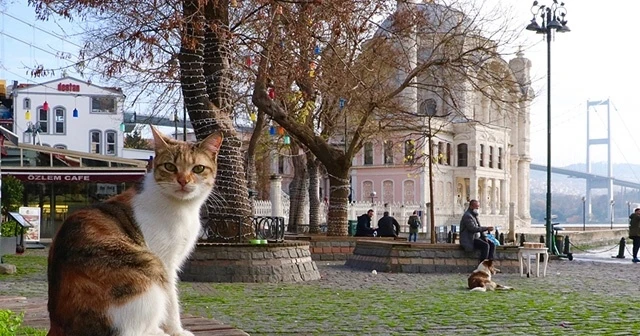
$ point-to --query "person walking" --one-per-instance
(634, 233)
(414, 225)
(472, 235)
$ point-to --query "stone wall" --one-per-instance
(325, 248)
(273, 262)
(404, 257)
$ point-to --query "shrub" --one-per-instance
(9, 322)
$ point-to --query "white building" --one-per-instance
(69, 113)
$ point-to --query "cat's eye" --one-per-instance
(170, 167)
(198, 169)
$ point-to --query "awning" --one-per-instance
(67, 176)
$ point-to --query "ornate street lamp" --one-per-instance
(584, 214)
(552, 19)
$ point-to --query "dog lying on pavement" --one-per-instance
(480, 279)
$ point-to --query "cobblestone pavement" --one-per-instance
(595, 272)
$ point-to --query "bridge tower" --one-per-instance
(599, 183)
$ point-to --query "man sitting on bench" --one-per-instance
(472, 235)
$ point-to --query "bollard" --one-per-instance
(522, 240)
(566, 250)
(497, 233)
(449, 237)
(621, 249)
(542, 239)
(501, 238)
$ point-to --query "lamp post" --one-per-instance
(584, 214)
(33, 130)
(612, 202)
(372, 195)
(552, 19)
(628, 207)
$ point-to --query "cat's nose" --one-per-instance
(182, 180)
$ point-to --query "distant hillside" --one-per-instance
(574, 186)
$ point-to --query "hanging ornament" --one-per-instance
(312, 73)
(313, 65)
(280, 130)
(287, 139)
(316, 50)
(342, 102)
(272, 93)
(272, 130)
(45, 106)
(279, 10)
(253, 116)
(248, 61)
(233, 3)
(27, 115)
(75, 112)
(122, 127)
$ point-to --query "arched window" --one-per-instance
(388, 152)
(60, 146)
(111, 138)
(462, 155)
(368, 153)
(95, 141)
(409, 151)
(43, 120)
(26, 103)
(60, 120)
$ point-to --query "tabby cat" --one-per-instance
(113, 266)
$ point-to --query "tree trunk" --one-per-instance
(338, 202)
(298, 190)
(250, 157)
(230, 207)
(314, 193)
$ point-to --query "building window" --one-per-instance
(368, 153)
(490, 156)
(59, 146)
(499, 157)
(110, 142)
(462, 155)
(448, 154)
(43, 120)
(280, 164)
(409, 151)
(95, 142)
(60, 120)
(103, 104)
(440, 152)
(481, 163)
(26, 104)
(388, 152)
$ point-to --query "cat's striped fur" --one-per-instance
(113, 266)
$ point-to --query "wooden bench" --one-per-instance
(36, 316)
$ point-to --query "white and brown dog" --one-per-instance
(480, 279)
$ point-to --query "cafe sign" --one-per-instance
(68, 87)
(55, 178)
(75, 177)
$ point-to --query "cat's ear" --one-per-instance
(159, 139)
(212, 142)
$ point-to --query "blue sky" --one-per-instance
(593, 62)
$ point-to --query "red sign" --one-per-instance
(68, 87)
(71, 177)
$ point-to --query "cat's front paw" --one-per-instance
(179, 332)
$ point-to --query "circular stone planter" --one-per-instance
(272, 262)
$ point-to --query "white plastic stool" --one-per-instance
(533, 252)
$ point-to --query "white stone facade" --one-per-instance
(95, 128)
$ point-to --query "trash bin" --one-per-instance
(559, 243)
(352, 227)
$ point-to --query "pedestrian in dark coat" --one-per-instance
(388, 226)
(634, 233)
(472, 234)
(363, 229)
